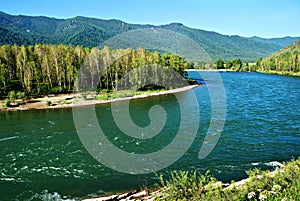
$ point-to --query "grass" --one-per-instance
(123, 93)
(280, 185)
(63, 102)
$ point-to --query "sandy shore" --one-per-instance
(75, 100)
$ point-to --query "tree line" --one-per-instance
(286, 60)
(43, 69)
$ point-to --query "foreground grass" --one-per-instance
(282, 184)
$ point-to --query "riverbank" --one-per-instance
(207, 70)
(77, 99)
(280, 184)
(286, 73)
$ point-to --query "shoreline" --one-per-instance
(73, 100)
(157, 193)
(270, 72)
(208, 70)
(283, 73)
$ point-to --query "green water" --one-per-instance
(42, 157)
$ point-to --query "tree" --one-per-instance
(258, 62)
(220, 64)
(43, 69)
(237, 64)
(12, 96)
(107, 61)
(21, 63)
(229, 64)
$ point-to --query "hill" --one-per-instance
(286, 60)
(91, 32)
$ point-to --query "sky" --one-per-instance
(263, 18)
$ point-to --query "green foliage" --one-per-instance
(286, 60)
(84, 96)
(44, 69)
(220, 64)
(224, 46)
(63, 102)
(21, 95)
(48, 103)
(6, 103)
(106, 95)
(12, 96)
(229, 64)
(283, 184)
(184, 185)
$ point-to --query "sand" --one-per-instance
(75, 100)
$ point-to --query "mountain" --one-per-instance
(224, 46)
(283, 42)
(91, 32)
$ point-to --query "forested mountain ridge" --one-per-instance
(91, 32)
(283, 42)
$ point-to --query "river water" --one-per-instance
(42, 157)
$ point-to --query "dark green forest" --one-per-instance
(44, 69)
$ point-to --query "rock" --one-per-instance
(139, 195)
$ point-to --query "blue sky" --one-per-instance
(265, 18)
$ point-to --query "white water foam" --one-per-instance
(47, 196)
(274, 164)
(8, 138)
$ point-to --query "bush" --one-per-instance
(48, 103)
(84, 96)
(6, 103)
(21, 95)
(12, 96)
(282, 184)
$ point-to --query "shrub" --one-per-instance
(48, 103)
(6, 103)
(21, 95)
(84, 96)
(12, 96)
(282, 184)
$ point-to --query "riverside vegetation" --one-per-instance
(44, 69)
(282, 184)
(284, 62)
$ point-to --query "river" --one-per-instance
(42, 157)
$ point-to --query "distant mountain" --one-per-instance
(92, 32)
(283, 42)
